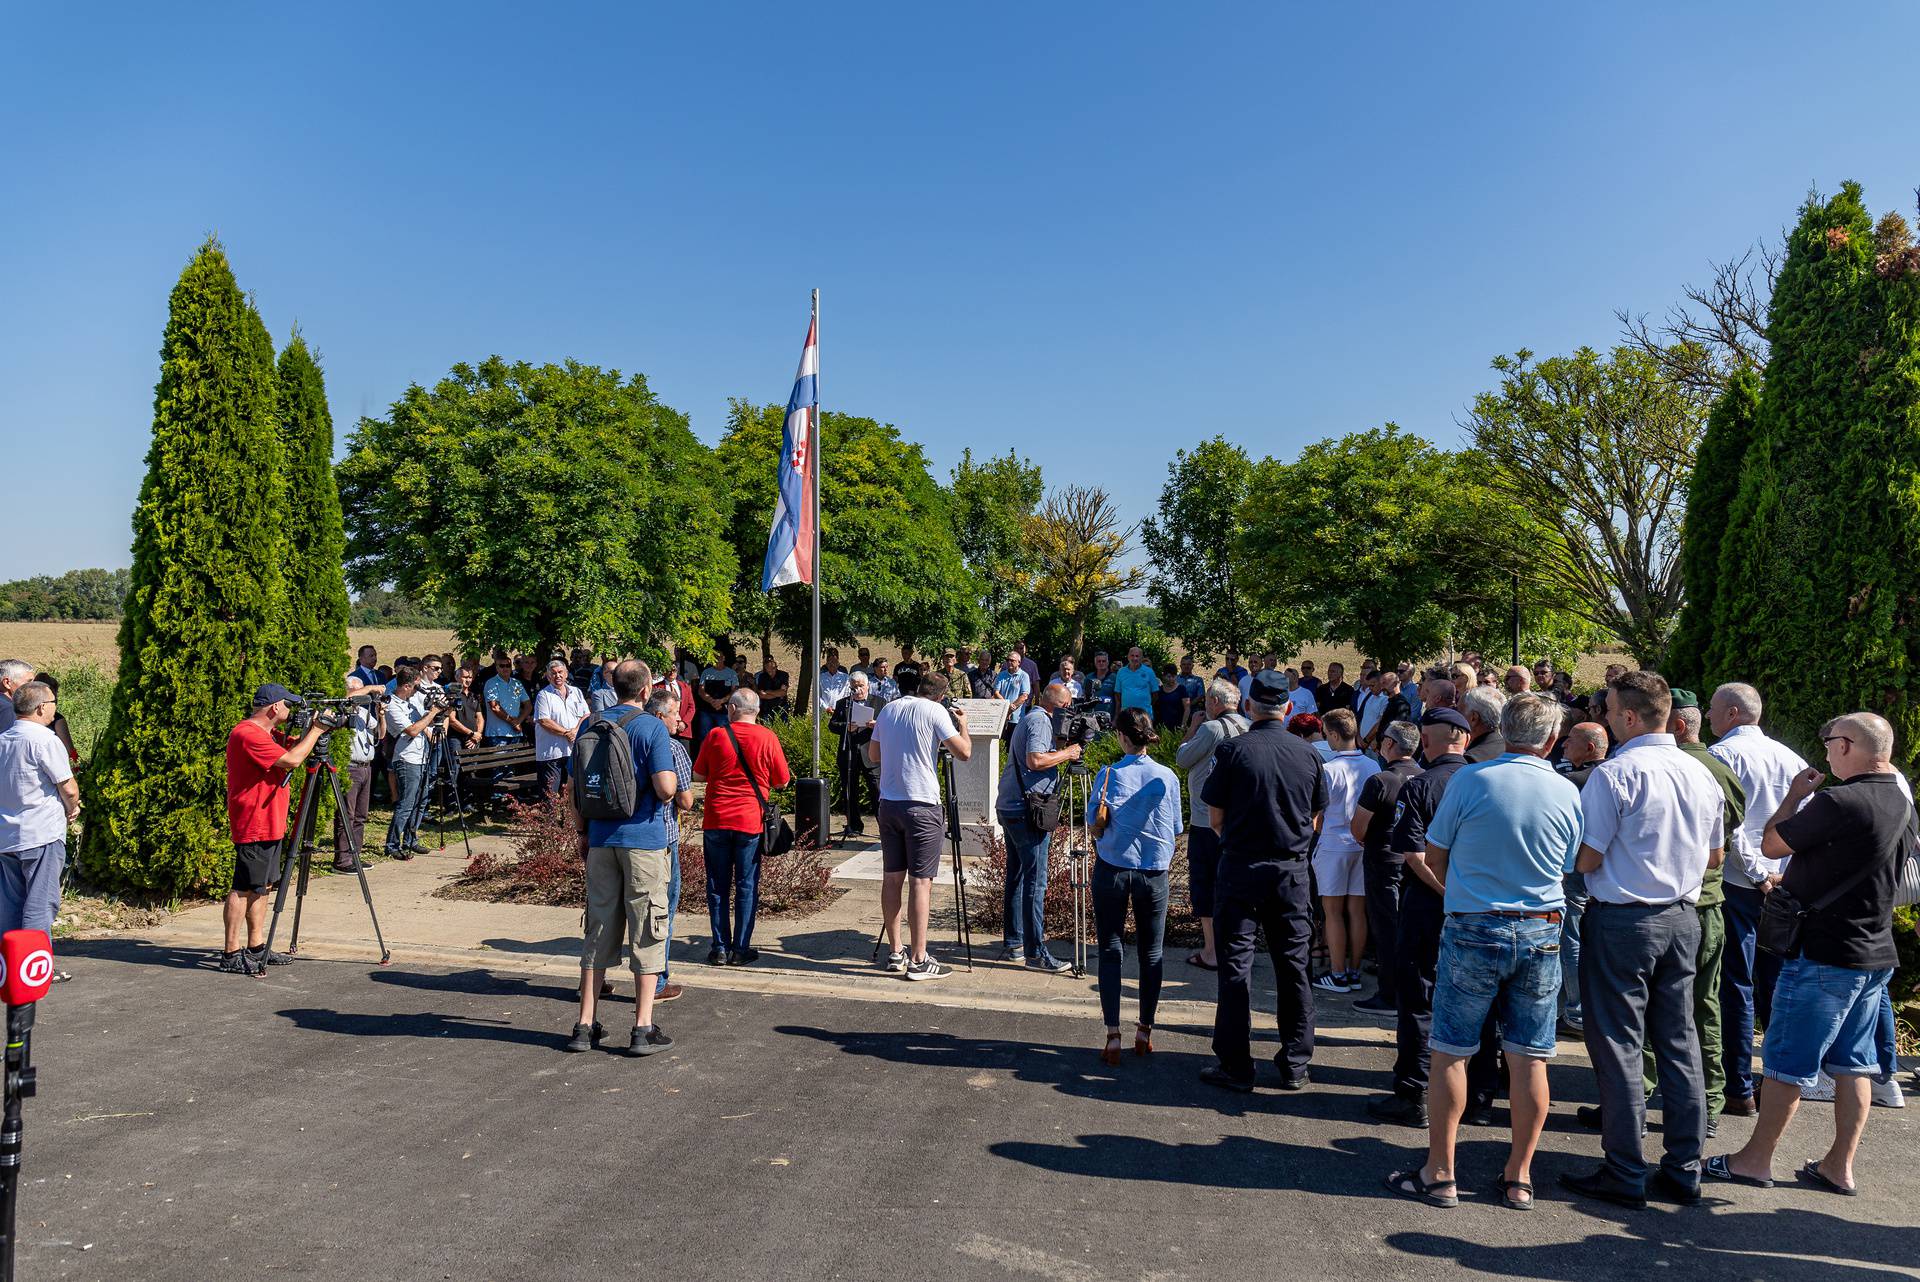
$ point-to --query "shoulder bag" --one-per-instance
(1783, 918)
(776, 834)
(1042, 809)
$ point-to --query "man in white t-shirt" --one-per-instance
(558, 710)
(1337, 867)
(907, 737)
(38, 799)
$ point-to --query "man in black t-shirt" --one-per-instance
(1846, 844)
(1443, 739)
(1264, 796)
(1372, 825)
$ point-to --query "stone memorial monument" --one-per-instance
(976, 781)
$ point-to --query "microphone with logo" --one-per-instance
(28, 959)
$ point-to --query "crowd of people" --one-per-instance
(1518, 862)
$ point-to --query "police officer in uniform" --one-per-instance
(1443, 740)
(1264, 798)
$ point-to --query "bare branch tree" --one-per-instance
(1076, 542)
(1718, 328)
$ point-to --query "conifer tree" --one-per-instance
(207, 592)
(316, 624)
(1711, 490)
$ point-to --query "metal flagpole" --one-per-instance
(813, 449)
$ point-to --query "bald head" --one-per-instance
(1586, 743)
(1857, 744)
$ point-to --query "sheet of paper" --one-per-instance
(859, 714)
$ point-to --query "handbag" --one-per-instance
(1102, 815)
(1041, 809)
(1783, 918)
(776, 834)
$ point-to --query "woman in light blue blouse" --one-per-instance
(1134, 846)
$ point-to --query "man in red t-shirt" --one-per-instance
(258, 763)
(731, 829)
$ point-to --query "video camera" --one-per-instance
(330, 713)
(1081, 722)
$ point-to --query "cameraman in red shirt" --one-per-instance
(259, 759)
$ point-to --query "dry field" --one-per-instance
(63, 644)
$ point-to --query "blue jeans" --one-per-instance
(410, 777)
(30, 886)
(673, 906)
(733, 886)
(1574, 886)
(1023, 910)
(1505, 966)
(1824, 1017)
(1883, 1036)
(1746, 988)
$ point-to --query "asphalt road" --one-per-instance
(340, 1121)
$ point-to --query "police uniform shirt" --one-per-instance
(1380, 797)
(1268, 785)
(1419, 801)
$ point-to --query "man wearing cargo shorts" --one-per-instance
(628, 871)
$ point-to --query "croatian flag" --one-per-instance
(790, 545)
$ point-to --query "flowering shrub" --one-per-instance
(545, 865)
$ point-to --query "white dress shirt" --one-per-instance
(1764, 767)
(1653, 813)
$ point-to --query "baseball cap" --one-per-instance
(1269, 688)
(1446, 717)
(272, 693)
(1685, 698)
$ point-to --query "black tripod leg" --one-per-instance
(460, 807)
(306, 871)
(360, 869)
(289, 847)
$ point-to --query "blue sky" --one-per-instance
(1091, 233)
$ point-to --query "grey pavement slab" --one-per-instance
(338, 1120)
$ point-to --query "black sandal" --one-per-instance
(1813, 1175)
(1718, 1167)
(1409, 1184)
(1506, 1188)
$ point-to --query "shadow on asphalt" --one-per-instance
(480, 982)
(139, 952)
(1726, 1244)
(565, 946)
(424, 1024)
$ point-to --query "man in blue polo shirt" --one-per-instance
(1134, 684)
(629, 871)
(1506, 833)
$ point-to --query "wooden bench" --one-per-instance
(514, 763)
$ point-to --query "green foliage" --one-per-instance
(1595, 451)
(316, 627)
(796, 740)
(77, 594)
(541, 505)
(1370, 533)
(1078, 544)
(86, 701)
(877, 502)
(1787, 560)
(1201, 576)
(206, 597)
(1711, 488)
(989, 504)
(381, 607)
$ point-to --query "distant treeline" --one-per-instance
(100, 594)
(77, 594)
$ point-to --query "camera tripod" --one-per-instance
(299, 845)
(963, 929)
(1077, 782)
(443, 776)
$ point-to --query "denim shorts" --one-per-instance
(1823, 1017)
(1507, 966)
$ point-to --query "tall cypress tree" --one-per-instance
(201, 620)
(316, 627)
(1711, 490)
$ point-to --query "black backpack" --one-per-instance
(604, 786)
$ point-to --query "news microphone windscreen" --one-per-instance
(28, 956)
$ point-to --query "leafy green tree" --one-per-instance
(542, 505)
(1078, 544)
(77, 594)
(1597, 450)
(990, 502)
(1200, 576)
(316, 552)
(1371, 539)
(1782, 594)
(207, 594)
(889, 565)
(1711, 488)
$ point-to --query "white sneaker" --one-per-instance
(1331, 983)
(927, 968)
(896, 963)
(1821, 1092)
(1886, 1094)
